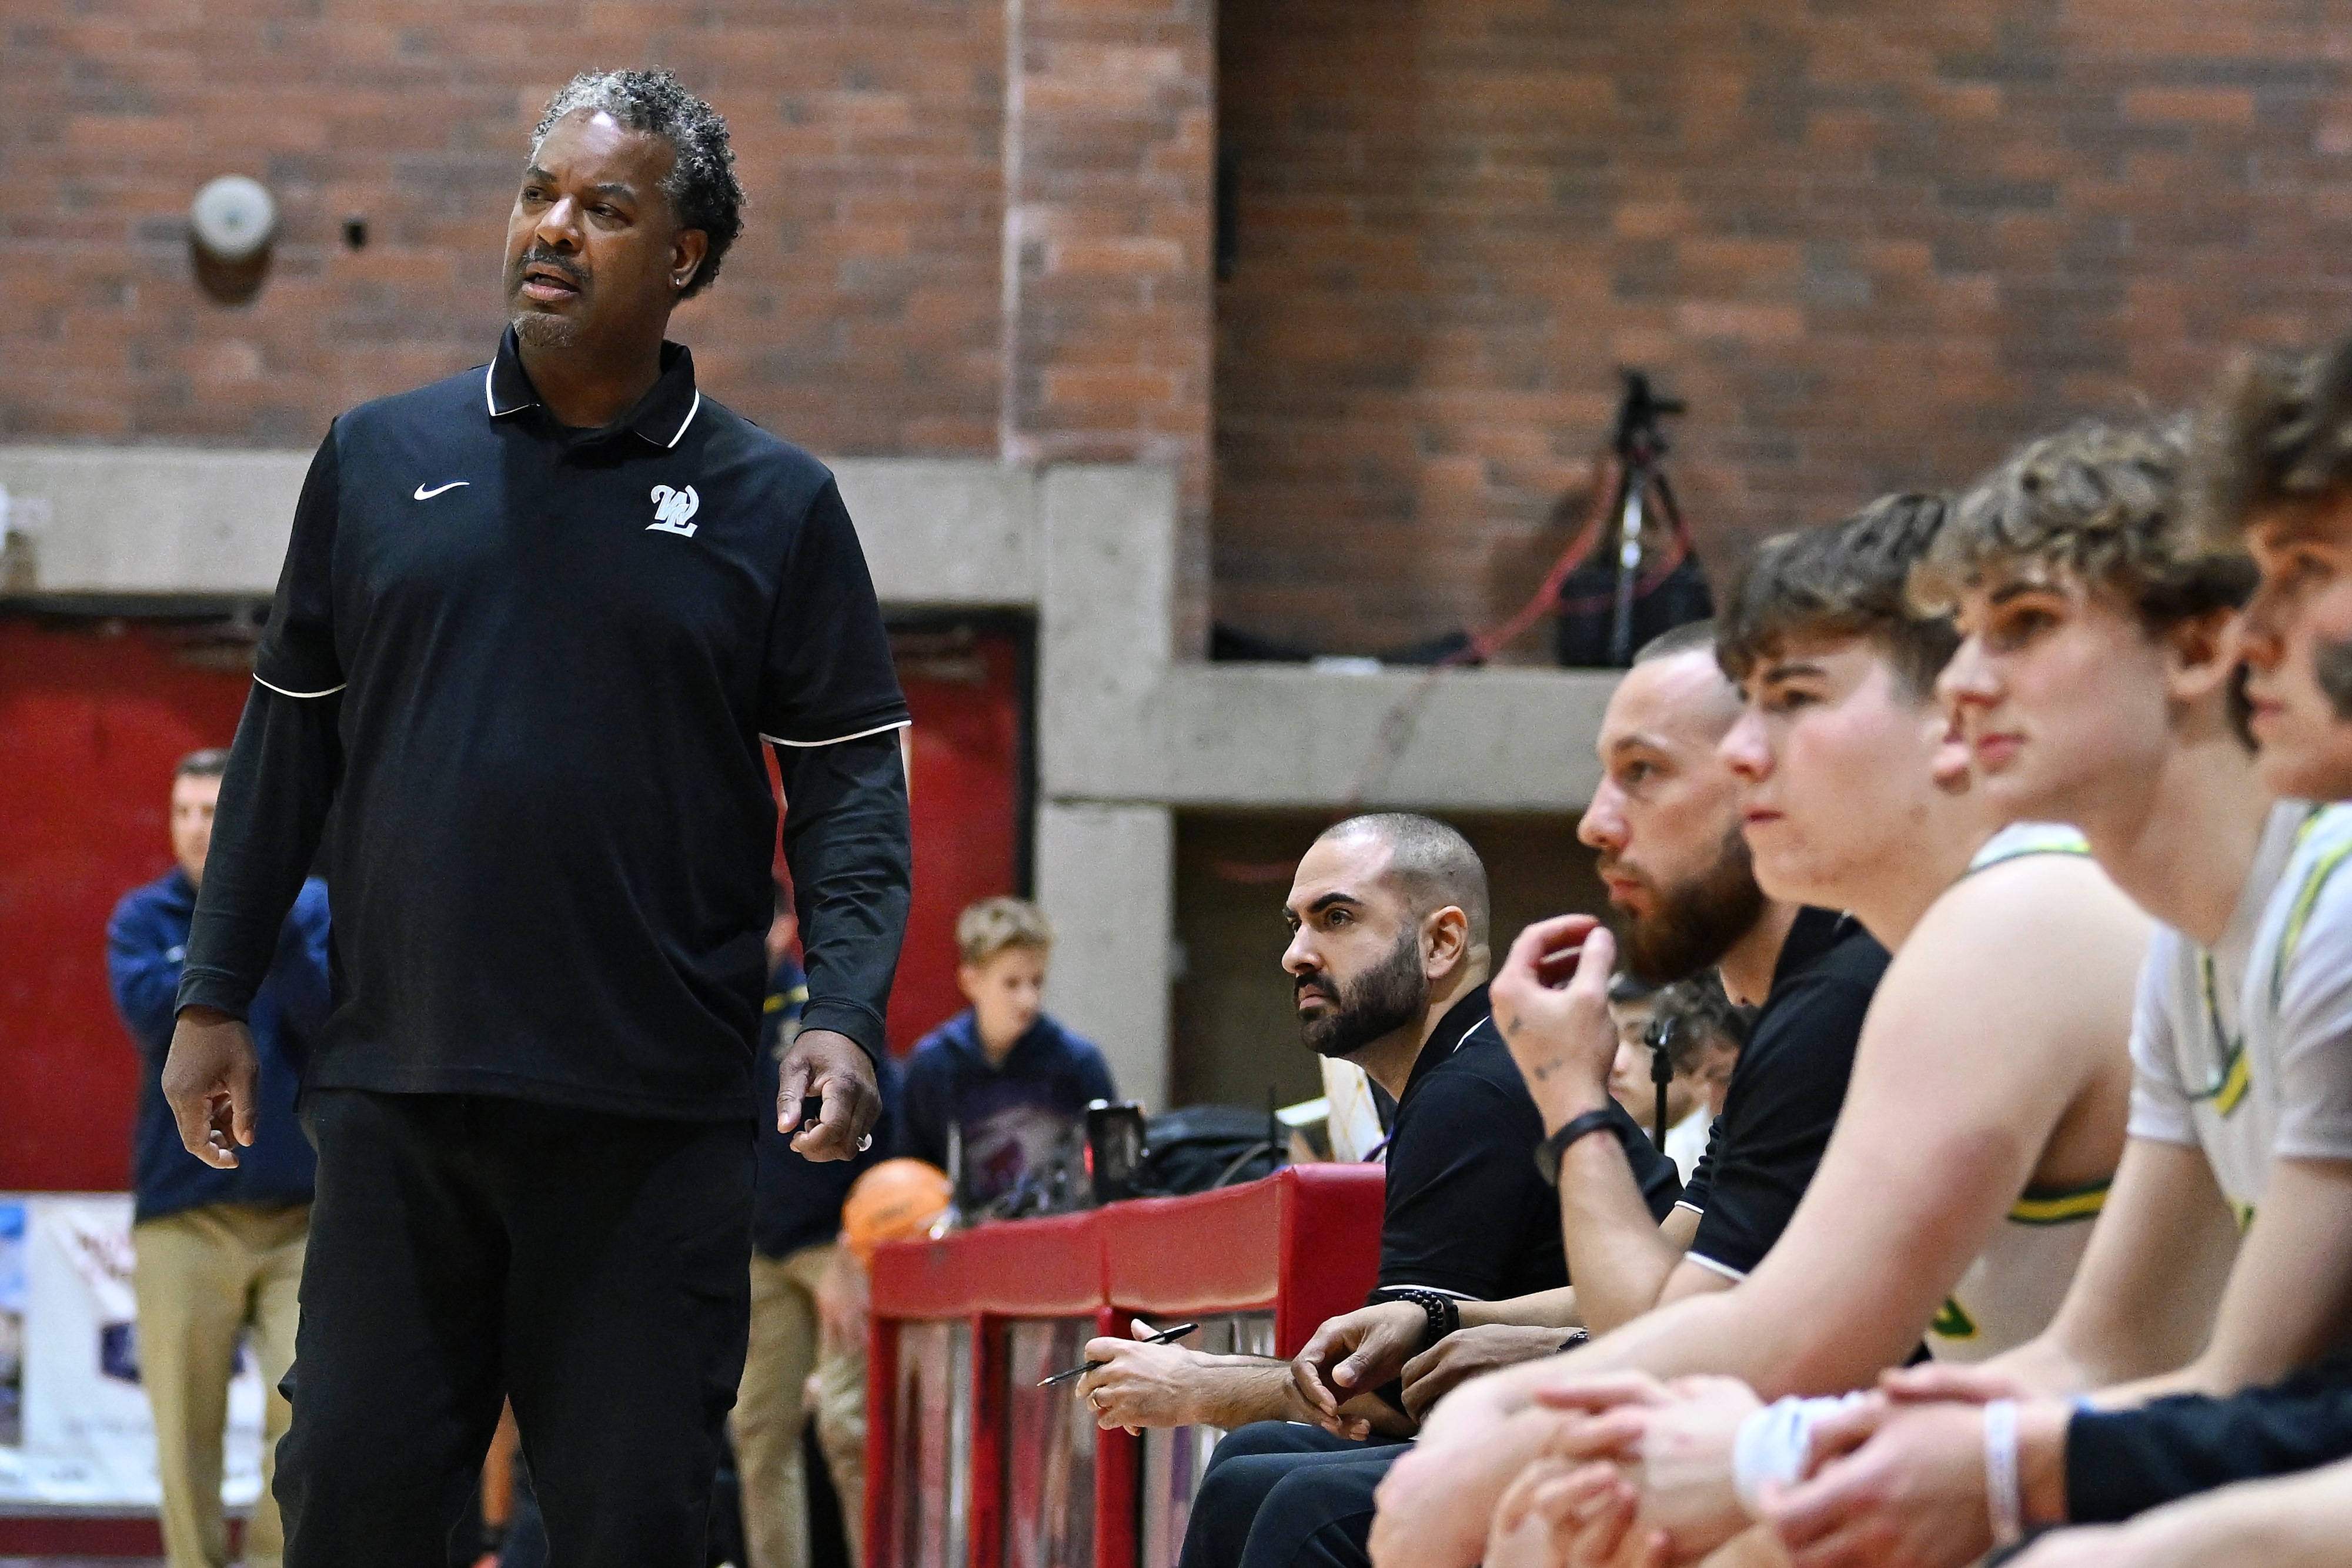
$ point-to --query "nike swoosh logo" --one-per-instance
(425, 495)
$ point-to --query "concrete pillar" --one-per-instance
(1107, 878)
(1105, 863)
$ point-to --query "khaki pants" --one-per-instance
(202, 1277)
(771, 1408)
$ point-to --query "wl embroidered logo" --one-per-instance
(673, 510)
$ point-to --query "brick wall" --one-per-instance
(1871, 241)
(1110, 158)
(859, 313)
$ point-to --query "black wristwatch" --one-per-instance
(1442, 1312)
(1548, 1152)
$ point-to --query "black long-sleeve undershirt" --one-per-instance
(283, 770)
(847, 840)
(2122, 1462)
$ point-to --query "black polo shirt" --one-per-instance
(555, 655)
(1465, 1212)
(1786, 1092)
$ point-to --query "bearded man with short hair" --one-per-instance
(1389, 958)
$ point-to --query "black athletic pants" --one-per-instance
(593, 1269)
(1281, 1495)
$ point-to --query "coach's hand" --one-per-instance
(1354, 1353)
(212, 1081)
(1551, 1003)
(1471, 1353)
(832, 1065)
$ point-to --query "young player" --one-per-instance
(1970, 1104)
(2097, 679)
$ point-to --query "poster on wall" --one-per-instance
(74, 1423)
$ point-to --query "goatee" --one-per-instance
(1382, 1000)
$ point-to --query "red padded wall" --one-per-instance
(92, 717)
(94, 714)
(964, 782)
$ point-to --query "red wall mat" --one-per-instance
(92, 717)
(964, 785)
(94, 714)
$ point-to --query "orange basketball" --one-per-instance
(895, 1200)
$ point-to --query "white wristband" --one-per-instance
(1773, 1445)
(2003, 1500)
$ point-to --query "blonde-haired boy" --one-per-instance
(1013, 1080)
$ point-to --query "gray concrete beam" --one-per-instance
(152, 519)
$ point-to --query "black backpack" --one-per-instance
(1203, 1147)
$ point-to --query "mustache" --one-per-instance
(1316, 984)
(577, 275)
(1607, 864)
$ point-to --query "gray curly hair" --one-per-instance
(700, 185)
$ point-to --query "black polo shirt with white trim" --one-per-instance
(1465, 1212)
(552, 657)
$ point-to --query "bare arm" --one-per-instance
(1623, 1257)
(1140, 1385)
(2287, 1298)
(1939, 1135)
(1563, 1042)
(2301, 1522)
(1544, 1310)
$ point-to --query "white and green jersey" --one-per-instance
(2198, 1073)
(2298, 997)
(2012, 1289)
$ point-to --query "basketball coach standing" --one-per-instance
(536, 624)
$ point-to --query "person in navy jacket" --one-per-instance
(1010, 1082)
(218, 1252)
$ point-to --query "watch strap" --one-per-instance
(1549, 1152)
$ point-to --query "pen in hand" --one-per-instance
(1165, 1336)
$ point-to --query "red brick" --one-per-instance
(415, 115)
(1845, 233)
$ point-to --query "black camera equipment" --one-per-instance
(1609, 608)
(1658, 1037)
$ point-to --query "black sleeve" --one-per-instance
(828, 673)
(852, 857)
(1094, 1075)
(298, 654)
(1785, 1096)
(1661, 1183)
(2121, 1463)
(1702, 1174)
(283, 770)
